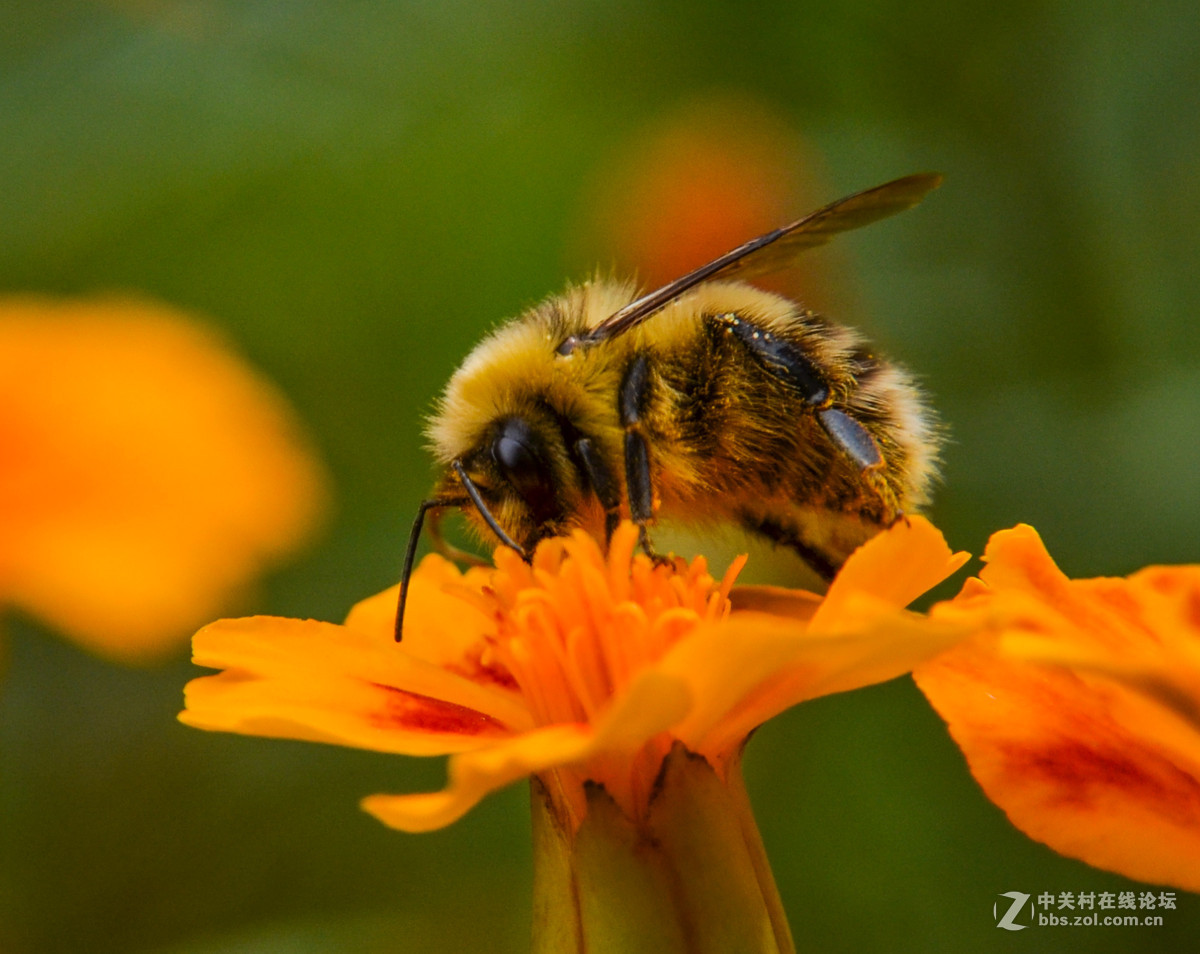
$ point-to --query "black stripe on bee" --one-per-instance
(780, 533)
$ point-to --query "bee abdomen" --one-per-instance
(815, 412)
(822, 538)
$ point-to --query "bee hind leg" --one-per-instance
(856, 442)
(854, 439)
(787, 361)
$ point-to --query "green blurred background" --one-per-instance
(356, 191)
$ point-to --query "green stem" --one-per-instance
(690, 877)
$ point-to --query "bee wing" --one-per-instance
(776, 249)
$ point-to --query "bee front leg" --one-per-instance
(639, 485)
(448, 550)
(602, 483)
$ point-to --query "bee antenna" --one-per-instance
(414, 537)
(477, 500)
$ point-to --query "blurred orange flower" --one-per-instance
(705, 177)
(145, 472)
(1078, 706)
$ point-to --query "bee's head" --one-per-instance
(515, 482)
(517, 479)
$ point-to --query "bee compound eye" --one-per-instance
(515, 457)
(518, 453)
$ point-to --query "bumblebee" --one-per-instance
(705, 400)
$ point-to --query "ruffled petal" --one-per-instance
(894, 567)
(752, 667)
(1093, 771)
(799, 605)
(1079, 708)
(442, 623)
(339, 712)
(474, 775)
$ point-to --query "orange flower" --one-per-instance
(145, 472)
(1078, 707)
(574, 668)
(626, 689)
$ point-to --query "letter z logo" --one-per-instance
(1006, 922)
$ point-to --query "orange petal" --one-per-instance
(652, 704)
(337, 711)
(1078, 709)
(317, 681)
(440, 626)
(474, 775)
(894, 567)
(751, 667)
(145, 472)
(1018, 560)
(754, 665)
(799, 605)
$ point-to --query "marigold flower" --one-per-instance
(145, 472)
(1078, 706)
(627, 689)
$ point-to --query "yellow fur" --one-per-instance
(738, 472)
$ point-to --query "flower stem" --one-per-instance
(691, 876)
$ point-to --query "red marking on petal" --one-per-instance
(474, 668)
(414, 712)
(1193, 607)
(1083, 776)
